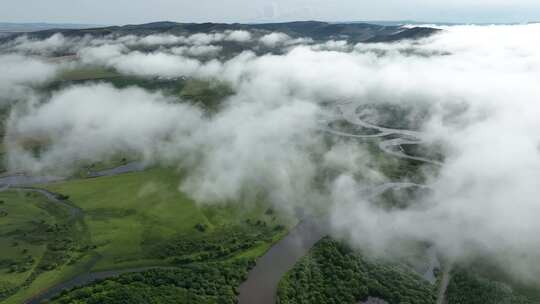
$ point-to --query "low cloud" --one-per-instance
(274, 39)
(479, 85)
(247, 150)
(197, 51)
(47, 46)
(58, 44)
(333, 45)
(238, 36)
(161, 40)
(95, 122)
(20, 75)
(155, 64)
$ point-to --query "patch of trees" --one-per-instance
(210, 245)
(6, 289)
(103, 214)
(347, 127)
(333, 273)
(400, 198)
(201, 227)
(469, 288)
(22, 264)
(62, 197)
(198, 283)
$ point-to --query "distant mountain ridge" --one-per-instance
(316, 30)
(13, 27)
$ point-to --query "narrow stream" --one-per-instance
(134, 166)
(25, 179)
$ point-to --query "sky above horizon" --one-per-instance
(139, 11)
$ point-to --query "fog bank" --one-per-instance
(479, 84)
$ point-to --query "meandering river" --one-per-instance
(261, 285)
(263, 279)
(262, 282)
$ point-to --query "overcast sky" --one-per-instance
(139, 11)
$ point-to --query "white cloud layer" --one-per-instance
(480, 84)
(57, 44)
(273, 39)
(20, 74)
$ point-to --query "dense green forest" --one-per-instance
(468, 288)
(196, 283)
(334, 273)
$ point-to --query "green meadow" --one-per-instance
(127, 221)
(21, 215)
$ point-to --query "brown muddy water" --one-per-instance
(262, 282)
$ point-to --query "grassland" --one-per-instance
(87, 73)
(133, 220)
(20, 214)
(37, 238)
(143, 209)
